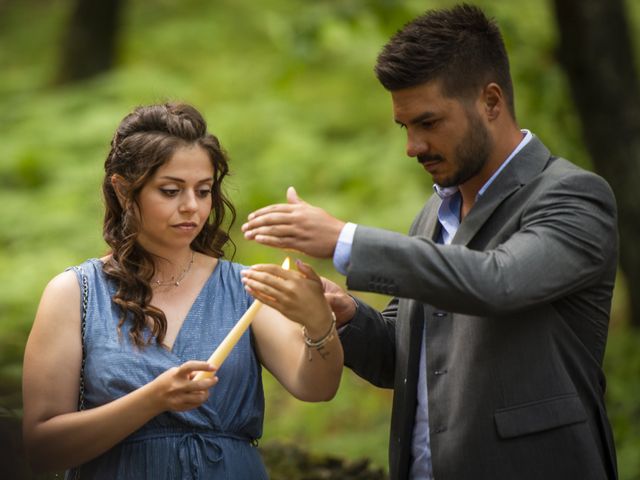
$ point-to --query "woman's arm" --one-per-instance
(308, 373)
(56, 435)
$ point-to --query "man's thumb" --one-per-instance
(292, 196)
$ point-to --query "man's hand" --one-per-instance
(295, 225)
(342, 304)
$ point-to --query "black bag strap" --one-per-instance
(74, 473)
(83, 329)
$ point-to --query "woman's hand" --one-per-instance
(176, 390)
(298, 295)
(309, 371)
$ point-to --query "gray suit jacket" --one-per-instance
(516, 312)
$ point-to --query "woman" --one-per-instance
(156, 305)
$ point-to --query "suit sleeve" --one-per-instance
(566, 240)
(369, 343)
(369, 339)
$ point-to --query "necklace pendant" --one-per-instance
(175, 282)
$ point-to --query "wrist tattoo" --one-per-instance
(319, 345)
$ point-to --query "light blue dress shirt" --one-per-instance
(449, 218)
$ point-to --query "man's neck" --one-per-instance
(501, 151)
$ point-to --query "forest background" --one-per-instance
(288, 88)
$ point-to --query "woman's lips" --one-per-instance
(186, 226)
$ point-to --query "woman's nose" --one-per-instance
(189, 201)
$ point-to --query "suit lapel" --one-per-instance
(427, 224)
(527, 164)
(432, 225)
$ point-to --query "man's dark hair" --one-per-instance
(459, 46)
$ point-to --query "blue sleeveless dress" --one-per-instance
(216, 440)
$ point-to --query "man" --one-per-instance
(495, 337)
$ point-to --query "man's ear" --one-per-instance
(121, 187)
(493, 100)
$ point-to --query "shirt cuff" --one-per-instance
(342, 253)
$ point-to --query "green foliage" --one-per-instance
(286, 461)
(622, 365)
(288, 88)
(353, 424)
(29, 172)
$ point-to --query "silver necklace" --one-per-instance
(175, 282)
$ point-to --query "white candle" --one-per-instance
(223, 350)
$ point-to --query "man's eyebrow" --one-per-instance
(420, 118)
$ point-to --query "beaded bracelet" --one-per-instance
(321, 342)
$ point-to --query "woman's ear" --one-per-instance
(120, 186)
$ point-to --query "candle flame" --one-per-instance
(286, 263)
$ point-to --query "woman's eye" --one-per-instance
(204, 192)
(169, 192)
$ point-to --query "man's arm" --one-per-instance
(367, 336)
(368, 341)
(564, 241)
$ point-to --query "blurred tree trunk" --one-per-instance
(597, 54)
(90, 42)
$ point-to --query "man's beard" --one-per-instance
(471, 154)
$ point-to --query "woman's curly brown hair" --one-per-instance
(145, 140)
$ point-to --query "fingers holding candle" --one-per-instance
(308, 361)
(298, 295)
(176, 390)
(268, 283)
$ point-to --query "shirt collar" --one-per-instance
(445, 192)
